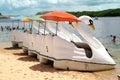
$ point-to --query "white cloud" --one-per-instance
(59, 1)
(32, 6)
(2, 2)
(22, 3)
(53, 1)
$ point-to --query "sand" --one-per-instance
(15, 65)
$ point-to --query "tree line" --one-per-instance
(103, 13)
(3, 16)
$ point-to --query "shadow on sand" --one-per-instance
(12, 48)
(28, 58)
(37, 67)
(44, 68)
(20, 54)
(25, 57)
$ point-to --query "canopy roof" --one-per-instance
(36, 18)
(25, 19)
(18, 18)
(60, 16)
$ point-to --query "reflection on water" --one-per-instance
(104, 28)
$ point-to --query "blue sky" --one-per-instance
(31, 7)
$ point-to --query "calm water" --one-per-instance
(104, 28)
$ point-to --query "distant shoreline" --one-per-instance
(4, 17)
(103, 13)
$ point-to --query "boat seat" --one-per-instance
(86, 47)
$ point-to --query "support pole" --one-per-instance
(45, 27)
(39, 28)
(56, 27)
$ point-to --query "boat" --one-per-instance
(64, 48)
(16, 40)
(96, 18)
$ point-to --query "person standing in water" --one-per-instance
(114, 39)
(1, 28)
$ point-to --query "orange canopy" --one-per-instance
(60, 16)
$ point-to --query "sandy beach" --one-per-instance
(15, 65)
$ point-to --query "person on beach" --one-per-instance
(114, 39)
(13, 28)
(17, 27)
(23, 28)
(1, 28)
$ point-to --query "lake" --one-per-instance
(105, 27)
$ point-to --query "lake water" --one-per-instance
(105, 26)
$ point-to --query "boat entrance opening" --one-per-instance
(85, 46)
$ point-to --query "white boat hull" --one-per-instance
(74, 65)
(64, 54)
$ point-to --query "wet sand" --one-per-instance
(14, 65)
